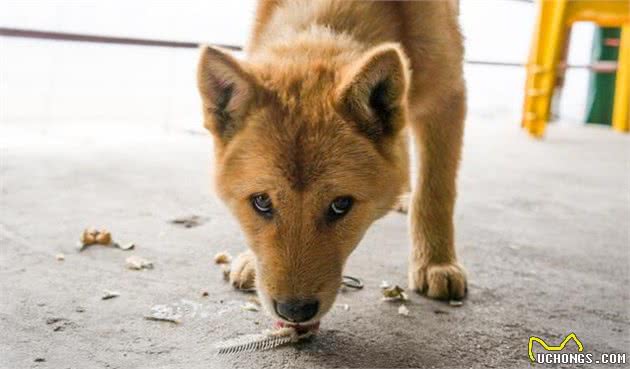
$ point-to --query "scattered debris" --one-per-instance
(79, 309)
(107, 294)
(54, 320)
(254, 300)
(135, 262)
(39, 360)
(438, 311)
(98, 237)
(88, 237)
(394, 293)
(60, 257)
(384, 285)
(345, 307)
(103, 237)
(402, 310)
(204, 293)
(222, 257)
(162, 319)
(126, 247)
(456, 303)
(250, 307)
(225, 268)
(189, 221)
(164, 313)
(59, 324)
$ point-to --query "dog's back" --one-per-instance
(427, 30)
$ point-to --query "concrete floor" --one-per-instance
(542, 227)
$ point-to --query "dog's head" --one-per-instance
(308, 154)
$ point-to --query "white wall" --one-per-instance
(81, 83)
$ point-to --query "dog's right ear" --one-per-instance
(227, 92)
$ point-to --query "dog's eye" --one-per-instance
(339, 207)
(262, 204)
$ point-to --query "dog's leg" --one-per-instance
(402, 204)
(243, 271)
(438, 131)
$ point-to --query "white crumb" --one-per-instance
(402, 310)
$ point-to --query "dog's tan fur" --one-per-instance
(295, 120)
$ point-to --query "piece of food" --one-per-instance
(394, 293)
(103, 237)
(456, 303)
(164, 313)
(250, 307)
(225, 269)
(126, 246)
(188, 222)
(402, 310)
(222, 258)
(60, 257)
(107, 294)
(135, 262)
(88, 237)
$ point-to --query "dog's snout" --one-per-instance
(297, 311)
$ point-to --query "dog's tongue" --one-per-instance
(299, 328)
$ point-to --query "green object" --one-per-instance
(601, 86)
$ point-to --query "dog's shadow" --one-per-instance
(335, 348)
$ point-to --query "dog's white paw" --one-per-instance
(438, 281)
(243, 271)
(402, 204)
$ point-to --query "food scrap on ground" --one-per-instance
(345, 307)
(456, 303)
(164, 313)
(101, 237)
(189, 221)
(107, 294)
(135, 262)
(395, 293)
(385, 284)
(225, 269)
(127, 246)
(249, 306)
(222, 257)
(60, 257)
(402, 310)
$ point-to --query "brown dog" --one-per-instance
(310, 139)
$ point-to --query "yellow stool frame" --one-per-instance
(555, 18)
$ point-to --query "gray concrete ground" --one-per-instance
(542, 227)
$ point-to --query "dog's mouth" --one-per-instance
(299, 328)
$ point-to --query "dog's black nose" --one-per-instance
(297, 311)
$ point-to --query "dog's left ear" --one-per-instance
(372, 91)
(227, 91)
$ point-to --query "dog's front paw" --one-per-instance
(438, 281)
(243, 271)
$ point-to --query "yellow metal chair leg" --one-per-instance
(621, 117)
(549, 39)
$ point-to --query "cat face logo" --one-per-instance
(560, 347)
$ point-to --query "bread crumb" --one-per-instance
(107, 294)
(60, 257)
(456, 303)
(402, 310)
(250, 307)
(138, 263)
(394, 293)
